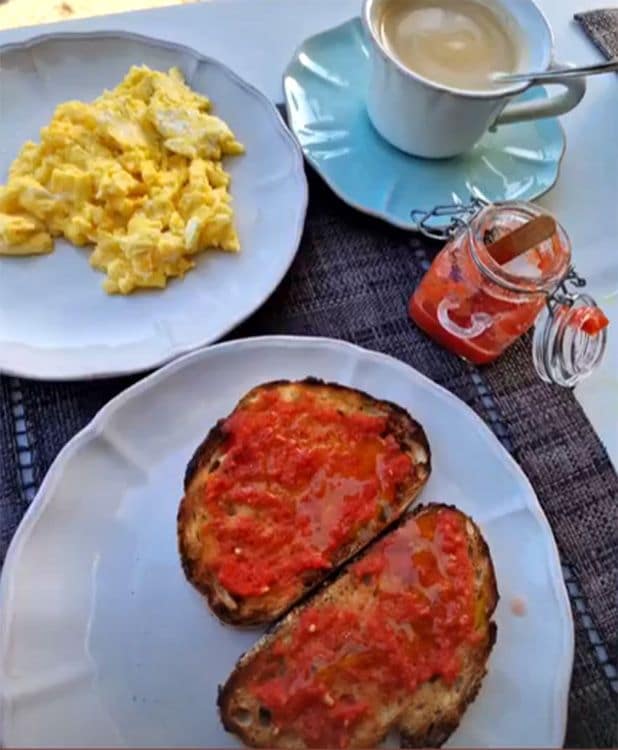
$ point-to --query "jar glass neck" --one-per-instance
(539, 270)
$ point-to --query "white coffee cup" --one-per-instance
(430, 119)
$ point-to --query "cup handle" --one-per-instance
(551, 107)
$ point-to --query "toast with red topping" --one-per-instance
(296, 480)
(398, 641)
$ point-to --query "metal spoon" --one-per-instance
(551, 75)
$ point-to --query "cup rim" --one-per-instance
(497, 93)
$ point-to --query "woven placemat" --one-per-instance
(602, 27)
(351, 280)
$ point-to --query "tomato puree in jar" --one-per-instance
(475, 307)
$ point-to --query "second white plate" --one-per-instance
(55, 320)
(104, 643)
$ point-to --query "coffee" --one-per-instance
(458, 43)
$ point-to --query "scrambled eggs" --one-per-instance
(137, 173)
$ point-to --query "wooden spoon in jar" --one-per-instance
(525, 237)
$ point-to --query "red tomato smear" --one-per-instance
(298, 480)
(590, 320)
(409, 625)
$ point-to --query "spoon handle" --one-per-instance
(522, 239)
(550, 75)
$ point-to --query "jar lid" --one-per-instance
(569, 340)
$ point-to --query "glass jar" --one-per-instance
(477, 308)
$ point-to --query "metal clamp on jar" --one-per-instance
(505, 268)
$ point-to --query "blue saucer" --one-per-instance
(325, 89)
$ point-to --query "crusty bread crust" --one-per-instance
(265, 608)
(432, 712)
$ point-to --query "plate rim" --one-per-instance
(93, 429)
(332, 185)
(11, 364)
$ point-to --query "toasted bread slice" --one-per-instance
(295, 481)
(384, 647)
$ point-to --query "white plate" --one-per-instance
(103, 642)
(55, 320)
